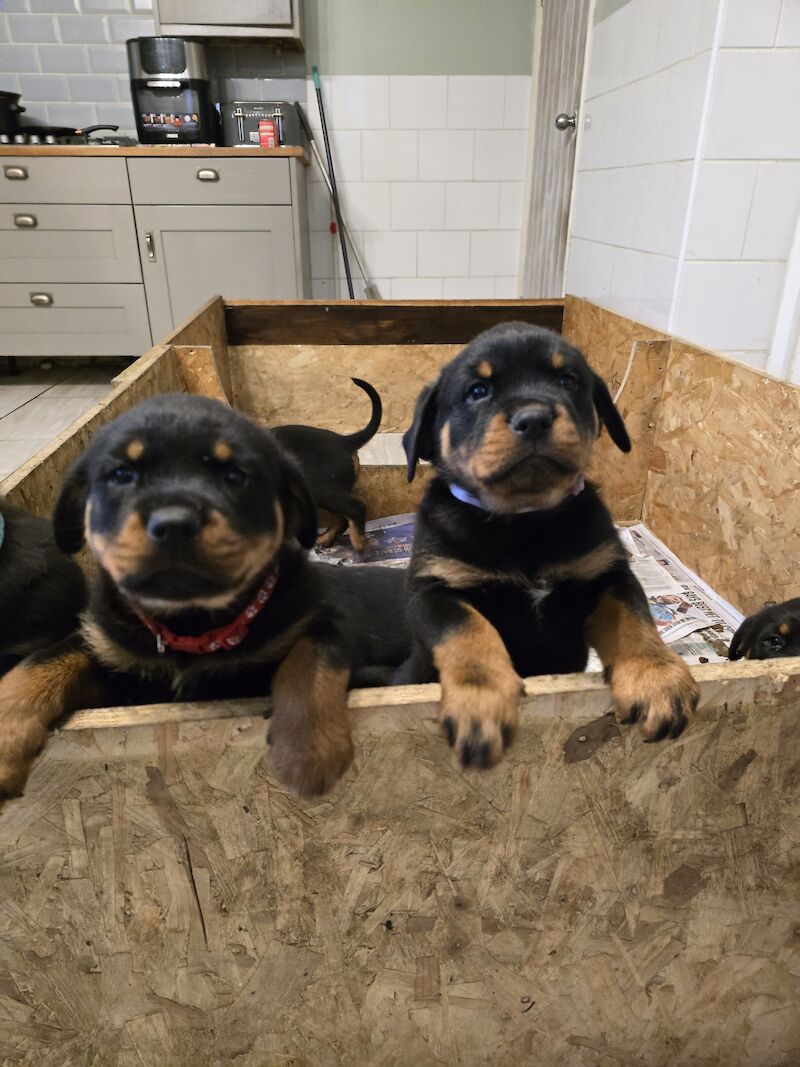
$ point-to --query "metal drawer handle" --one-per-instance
(150, 245)
(26, 222)
(206, 174)
(42, 300)
(16, 174)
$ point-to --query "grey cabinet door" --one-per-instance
(68, 243)
(190, 254)
(231, 13)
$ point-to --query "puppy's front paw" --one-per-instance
(311, 766)
(479, 716)
(660, 694)
(20, 743)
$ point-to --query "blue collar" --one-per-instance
(467, 498)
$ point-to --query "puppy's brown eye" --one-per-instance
(568, 382)
(122, 476)
(775, 641)
(235, 476)
(477, 391)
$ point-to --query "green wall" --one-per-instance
(420, 36)
(604, 8)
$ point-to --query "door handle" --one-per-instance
(207, 174)
(42, 300)
(565, 121)
(150, 245)
(16, 174)
(26, 222)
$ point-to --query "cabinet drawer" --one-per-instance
(210, 180)
(43, 180)
(233, 12)
(73, 320)
(68, 243)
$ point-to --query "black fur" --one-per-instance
(42, 592)
(772, 633)
(178, 469)
(328, 460)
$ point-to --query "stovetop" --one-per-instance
(24, 139)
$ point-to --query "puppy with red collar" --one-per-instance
(517, 567)
(198, 522)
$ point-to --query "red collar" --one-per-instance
(224, 638)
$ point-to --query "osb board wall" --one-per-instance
(163, 900)
(606, 339)
(207, 328)
(724, 483)
(36, 484)
(311, 382)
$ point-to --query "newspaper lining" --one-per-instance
(690, 616)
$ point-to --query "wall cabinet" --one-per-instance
(234, 18)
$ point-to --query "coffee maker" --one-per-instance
(171, 91)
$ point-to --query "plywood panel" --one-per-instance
(198, 371)
(207, 327)
(724, 483)
(163, 900)
(607, 340)
(311, 382)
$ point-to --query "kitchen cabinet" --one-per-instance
(191, 253)
(99, 255)
(234, 18)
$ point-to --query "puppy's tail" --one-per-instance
(357, 440)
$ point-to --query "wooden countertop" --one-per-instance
(168, 151)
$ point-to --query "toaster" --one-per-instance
(240, 119)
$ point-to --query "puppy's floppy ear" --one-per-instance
(418, 438)
(299, 510)
(744, 638)
(68, 516)
(609, 414)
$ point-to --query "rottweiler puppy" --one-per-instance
(198, 522)
(329, 462)
(772, 633)
(42, 591)
(517, 567)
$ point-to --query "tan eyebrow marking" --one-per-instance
(485, 369)
(222, 451)
(135, 449)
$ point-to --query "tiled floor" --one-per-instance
(36, 405)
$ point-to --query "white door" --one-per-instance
(561, 35)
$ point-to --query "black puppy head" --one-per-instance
(769, 634)
(183, 502)
(513, 418)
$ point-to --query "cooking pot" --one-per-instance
(9, 113)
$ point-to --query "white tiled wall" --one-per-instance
(687, 189)
(67, 58)
(430, 172)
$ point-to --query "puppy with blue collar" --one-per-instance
(517, 568)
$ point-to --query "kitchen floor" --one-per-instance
(36, 405)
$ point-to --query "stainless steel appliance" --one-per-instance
(171, 91)
(240, 119)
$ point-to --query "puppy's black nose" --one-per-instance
(533, 420)
(174, 525)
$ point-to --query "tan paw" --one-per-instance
(311, 766)
(480, 715)
(658, 693)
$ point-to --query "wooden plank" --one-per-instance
(207, 327)
(198, 371)
(576, 695)
(376, 322)
(35, 486)
(607, 340)
(724, 473)
(636, 906)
